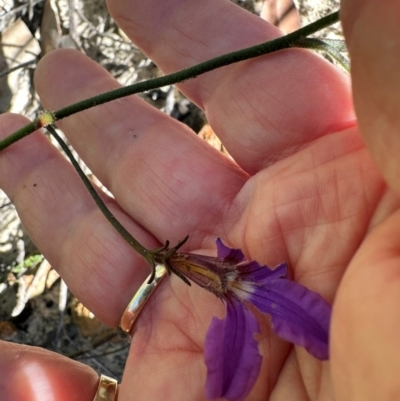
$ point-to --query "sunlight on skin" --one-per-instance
(37, 382)
(33, 374)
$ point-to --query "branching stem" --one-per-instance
(47, 118)
(281, 43)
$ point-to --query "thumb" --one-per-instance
(30, 374)
(372, 32)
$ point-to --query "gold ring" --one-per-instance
(107, 389)
(139, 300)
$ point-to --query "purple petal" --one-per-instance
(256, 273)
(298, 315)
(231, 354)
(229, 254)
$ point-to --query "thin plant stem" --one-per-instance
(281, 43)
(152, 256)
(320, 44)
(136, 245)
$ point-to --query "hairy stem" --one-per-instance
(326, 46)
(281, 43)
(136, 245)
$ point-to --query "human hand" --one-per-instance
(301, 188)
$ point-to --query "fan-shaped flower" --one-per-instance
(231, 351)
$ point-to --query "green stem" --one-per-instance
(136, 245)
(321, 44)
(281, 43)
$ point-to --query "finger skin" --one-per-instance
(365, 351)
(64, 222)
(263, 109)
(372, 31)
(365, 324)
(30, 374)
(164, 176)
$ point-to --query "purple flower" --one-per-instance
(231, 351)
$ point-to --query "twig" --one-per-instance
(4, 205)
(62, 305)
(20, 8)
(10, 70)
(81, 353)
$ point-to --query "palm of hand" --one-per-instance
(306, 192)
(321, 203)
